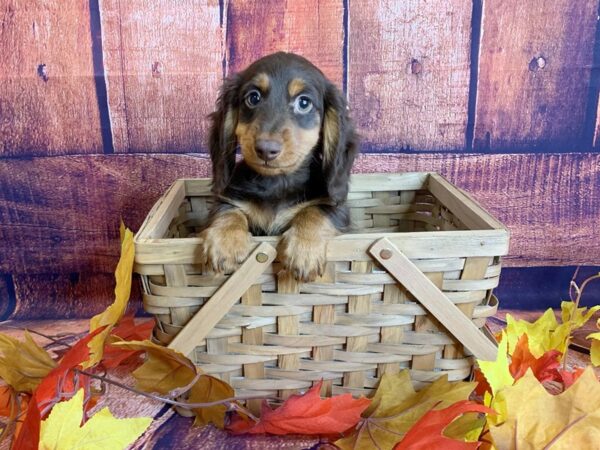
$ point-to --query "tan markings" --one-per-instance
(298, 143)
(331, 131)
(295, 87)
(261, 81)
(226, 242)
(269, 220)
(303, 248)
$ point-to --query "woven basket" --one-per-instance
(411, 288)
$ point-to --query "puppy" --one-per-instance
(297, 145)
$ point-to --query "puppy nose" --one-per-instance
(267, 149)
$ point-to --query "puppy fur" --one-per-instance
(284, 104)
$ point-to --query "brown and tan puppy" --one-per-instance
(298, 144)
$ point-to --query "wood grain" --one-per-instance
(312, 28)
(163, 62)
(66, 296)
(61, 214)
(522, 105)
(48, 103)
(408, 72)
(549, 202)
(7, 300)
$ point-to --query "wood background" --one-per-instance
(103, 103)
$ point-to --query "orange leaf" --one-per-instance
(569, 377)
(309, 414)
(29, 435)
(6, 394)
(482, 384)
(544, 368)
(427, 432)
(128, 331)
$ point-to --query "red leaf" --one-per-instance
(129, 331)
(6, 402)
(568, 377)
(482, 383)
(544, 368)
(427, 432)
(309, 414)
(29, 435)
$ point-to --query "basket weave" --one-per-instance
(353, 324)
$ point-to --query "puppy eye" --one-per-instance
(253, 98)
(303, 105)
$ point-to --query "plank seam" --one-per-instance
(476, 29)
(10, 297)
(100, 77)
(589, 140)
(345, 45)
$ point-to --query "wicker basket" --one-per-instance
(410, 289)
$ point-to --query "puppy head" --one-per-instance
(282, 111)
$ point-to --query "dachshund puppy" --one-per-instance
(297, 145)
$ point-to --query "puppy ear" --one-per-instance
(339, 143)
(222, 140)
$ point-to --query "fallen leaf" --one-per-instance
(27, 438)
(595, 348)
(544, 334)
(62, 429)
(109, 318)
(23, 364)
(209, 389)
(6, 400)
(482, 384)
(496, 372)
(569, 376)
(164, 369)
(427, 432)
(396, 407)
(309, 414)
(535, 419)
(577, 317)
(126, 330)
(544, 368)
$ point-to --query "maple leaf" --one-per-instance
(28, 436)
(595, 346)
(496, 372)
(544, 368)
(126, 330)
(309, 414)
(395, 407)
(544, 334)
(62, 430)
(535, 419)
(209, 389)
(568, 377)
(109, 317)
(23, 364)
(427, 432)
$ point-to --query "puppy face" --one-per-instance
(283, 113)
(279, 114)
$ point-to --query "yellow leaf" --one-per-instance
(595, 348)
(544, 334)
(62, 429)
(209, 389)
(535, 419)
(576, 316)
(23, 364)
(114, 312)
(496, 372)
(163, 370)
(396, 407)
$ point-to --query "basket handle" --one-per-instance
(432, 298)
(202, 323)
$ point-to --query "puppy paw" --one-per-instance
(302, 255)
(224, 250)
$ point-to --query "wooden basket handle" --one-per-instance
(433, 299)
(221, 302)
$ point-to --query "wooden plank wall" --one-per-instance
(104, 103)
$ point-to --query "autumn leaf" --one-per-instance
(114, 312)
(209, 389)
(544, 334)
(535, 419)
(126, 330)
(569, 376)
(309, 414)
(23, 364)
(497, 372)
(396, 407)
(164, 369)
(577, 317)
(427, 432)
(27, 438)
(544, 368)
(595, 346)
(62, 429)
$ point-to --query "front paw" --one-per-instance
(304, 256)
(223, 251)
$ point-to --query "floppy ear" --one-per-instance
(222, 141)
(339, 142)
